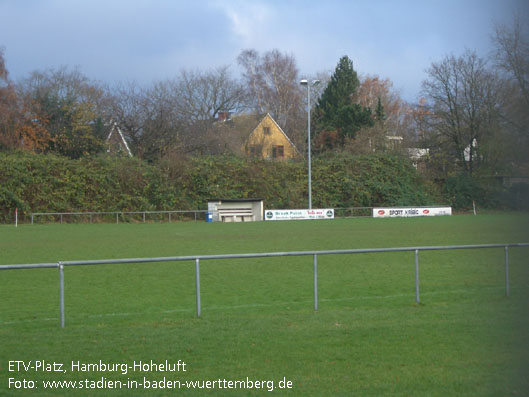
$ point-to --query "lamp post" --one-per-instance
(312, 83)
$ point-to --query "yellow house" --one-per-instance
(269, 141)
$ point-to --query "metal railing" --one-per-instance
(115, 214)
(148, 215)
(197, 258)
(346, 212)
(353, 212)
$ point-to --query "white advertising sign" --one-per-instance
(391, 212)
(283, 215)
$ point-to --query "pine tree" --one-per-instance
(336, 114)
(380, 114)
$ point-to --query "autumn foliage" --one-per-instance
(21, 126)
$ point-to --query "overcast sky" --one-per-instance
(149, 40)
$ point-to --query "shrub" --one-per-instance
(49, 183)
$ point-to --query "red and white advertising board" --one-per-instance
(394, 212)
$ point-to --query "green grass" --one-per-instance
(368, 337)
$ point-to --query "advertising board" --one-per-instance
(284, 215)
(391, 212)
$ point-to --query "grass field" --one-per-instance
(368, 337)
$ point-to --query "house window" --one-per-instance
(255, 150)
(266, 130)
(278, 152)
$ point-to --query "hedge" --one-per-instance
(49, 183)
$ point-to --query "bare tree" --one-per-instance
(393, 129)
(147, 117)
(272, 84)
(177, 116)
(511, 56)
(511, 53)
(463, 100)
(201, 95)
(161, 126)
(127, 111)
(8, 109)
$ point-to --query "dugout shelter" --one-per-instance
(236, 210)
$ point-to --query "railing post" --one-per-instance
(417, 300)
(315, 282)
(507, 292)
(32, 219)
(197, 279)
(169, 217)
(61, 292)
(144, 217)
(117, 219)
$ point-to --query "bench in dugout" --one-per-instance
(236, 215)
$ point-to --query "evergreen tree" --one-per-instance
(380, 114)
(336, 115)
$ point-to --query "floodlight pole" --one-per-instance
(313, 83)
